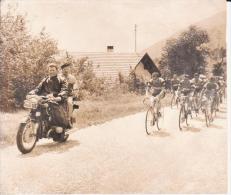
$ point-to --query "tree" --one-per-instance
(219, 56)
(185, 54)
(23, 59)
(88, 83)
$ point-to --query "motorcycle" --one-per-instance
(39, 124)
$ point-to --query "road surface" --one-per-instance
(118, 157)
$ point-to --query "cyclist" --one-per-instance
(222, 86)
(168, 83)
(210, 90)
(156, 88)
(185, 88)
(174, 83)
(197, 85)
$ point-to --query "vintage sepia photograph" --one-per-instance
(113, 97)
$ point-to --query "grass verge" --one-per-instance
(91, 112)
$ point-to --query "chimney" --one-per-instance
(110, 48)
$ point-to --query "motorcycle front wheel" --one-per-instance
(27, 136)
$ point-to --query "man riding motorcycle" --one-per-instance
(55, 87)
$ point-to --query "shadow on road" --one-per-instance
(220, 117)
(215, 126)
(160, 134)
(200, 118)
(223, 111)
(52, 147)
(192, 129)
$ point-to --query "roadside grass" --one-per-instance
(93, 111)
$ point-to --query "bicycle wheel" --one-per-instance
(149, 121)
(173, 100)
(177, 101)
(207, 118)
(160, 119)
(182, 117)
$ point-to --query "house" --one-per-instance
(145, 67)
(109, 65)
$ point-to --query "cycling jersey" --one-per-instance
(156, 86)
(175, 83)
(185, 87)
(197, 84)
(210, 89)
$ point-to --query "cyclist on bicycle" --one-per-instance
(210, 90)
(156, 88)
(185, 88)
(222, 86)
(174, 84)
(197, 85)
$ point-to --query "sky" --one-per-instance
(91, 25)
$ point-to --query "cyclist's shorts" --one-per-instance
(186, 92)
(197, 90)
(174, 88)
(156, 93)
(210, 93)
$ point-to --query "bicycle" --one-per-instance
(154, 114)
(184, 111)
(208, 108)
(196, 101)
(175, 99)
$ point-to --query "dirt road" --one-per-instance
(118, 157)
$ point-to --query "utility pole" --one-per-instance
(0, 14)
(135, 37)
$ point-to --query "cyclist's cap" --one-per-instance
(53, 65)
(155, 74)
(65, 65)
(186, 76)
(196, 75)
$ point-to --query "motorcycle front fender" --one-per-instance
(25, 119)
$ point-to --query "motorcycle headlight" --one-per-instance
(29, 105)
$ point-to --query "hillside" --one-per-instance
(215, 25)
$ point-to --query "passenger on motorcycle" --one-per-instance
(72, 89)
(156, 88)
(54, 87)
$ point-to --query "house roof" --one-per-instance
(109, 64)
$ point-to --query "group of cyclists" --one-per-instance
(197, 91)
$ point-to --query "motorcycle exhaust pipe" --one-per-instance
(56, 129)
